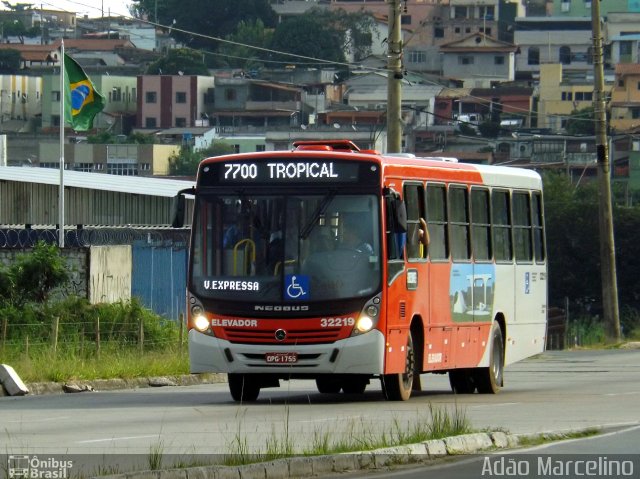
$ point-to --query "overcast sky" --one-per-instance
(92, 8)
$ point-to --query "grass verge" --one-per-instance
(115, 361)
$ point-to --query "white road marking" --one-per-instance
(110, 439)
(44, 419)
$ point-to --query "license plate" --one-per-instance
(281, 358)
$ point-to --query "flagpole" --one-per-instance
(62, 120)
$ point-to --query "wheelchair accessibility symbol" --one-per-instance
(296, 286)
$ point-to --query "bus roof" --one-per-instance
(403, 165)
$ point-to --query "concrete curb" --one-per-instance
(115, 384)
(309, 466)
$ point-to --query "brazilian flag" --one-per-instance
(82, 102)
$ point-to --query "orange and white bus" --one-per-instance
(314, 263)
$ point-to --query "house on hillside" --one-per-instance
(560, 93)
(173, 101)
(543, 40)
(479, 60)
(625, 98)
(248, 105)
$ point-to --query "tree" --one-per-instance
(33, 276)
(208, 18)
(247, 33)
(10, 61)
(324, 34)
(308, 36)
(572, 239)
(180, 61)
(581, 122)
(186, 162)
(489, 129)
(141, 139)
(105, 137)
(573, 244)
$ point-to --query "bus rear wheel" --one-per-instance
(243, 387)
(462, 381)
(397, 387)
(490, 380)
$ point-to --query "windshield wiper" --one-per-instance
(320, 209)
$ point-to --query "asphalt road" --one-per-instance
(557, 391)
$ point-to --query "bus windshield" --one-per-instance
(286, 248)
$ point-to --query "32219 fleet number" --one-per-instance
(336, 322)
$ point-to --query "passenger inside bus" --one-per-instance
(356, 233)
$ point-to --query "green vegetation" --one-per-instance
(318, 33)
(48, 336)
(186, 162)
(437, 424)
(571, 214)
(543, 438)
(179, 61)
(106, 137)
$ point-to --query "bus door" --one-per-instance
(397, 323)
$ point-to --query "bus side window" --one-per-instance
(395, 231)
(437, 222)
(480, 224)
(522, 226)
(538, 227)
(414, 200)
(501, 224)
(459, 223)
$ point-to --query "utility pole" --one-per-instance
(394, 79)
(607, 251)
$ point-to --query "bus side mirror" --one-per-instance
(177, 216)
(178, 208)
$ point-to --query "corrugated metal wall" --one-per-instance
(159, 277)
(37, 204)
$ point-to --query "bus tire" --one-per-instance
(328, 385)
(243, 387)
(397, 387)
(490, 380)
(462, 381)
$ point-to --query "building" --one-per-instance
(479, 60)
(28, 196)
(543, 40)
(625, 98)
(623, 34)
(508, 105)
(20, 102)
(248, 106)
(582, 8)
(574, 155)
(561, 93)
(168, 101)
(120, 93)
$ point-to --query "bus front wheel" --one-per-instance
(243, 387)
(328, 385)
(397, 387)
(490, 380)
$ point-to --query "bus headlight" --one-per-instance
(368, 317)
(201, 323)
(364, 324)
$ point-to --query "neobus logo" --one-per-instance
(259, 307)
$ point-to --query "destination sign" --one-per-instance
(274, 171)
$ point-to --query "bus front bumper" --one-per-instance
(362, 354)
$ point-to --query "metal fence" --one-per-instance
(19, 238)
